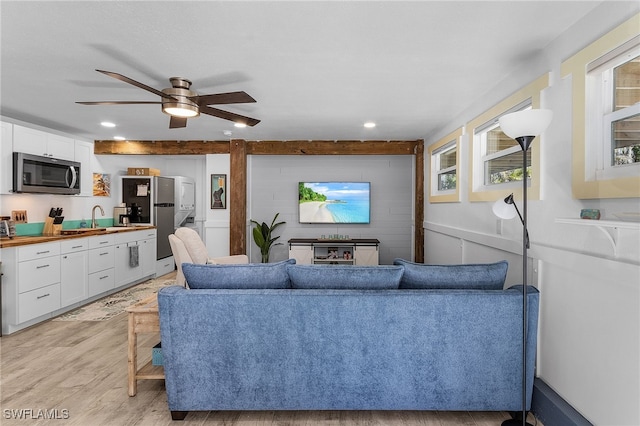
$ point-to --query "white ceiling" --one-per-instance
(318, 70)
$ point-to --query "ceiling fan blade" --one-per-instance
(229, 116)
(223, 98)
(119, 102)
(135, 83)
(177, 122)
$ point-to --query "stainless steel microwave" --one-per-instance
(45, 175)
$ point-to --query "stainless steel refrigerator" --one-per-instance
(150, 200)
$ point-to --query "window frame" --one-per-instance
(590, 180)
(601, 114)
(442, 145)
(478, 191)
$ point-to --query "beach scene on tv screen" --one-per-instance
(334, 202)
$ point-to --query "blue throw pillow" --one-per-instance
(238, 276)
(487, 276)
(344, 277)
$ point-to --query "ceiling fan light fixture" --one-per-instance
(178, 109)
(179, 105)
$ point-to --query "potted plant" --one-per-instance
(262, 236)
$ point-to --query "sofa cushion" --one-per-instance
(244, 276)
(487, 276)
(345, 277)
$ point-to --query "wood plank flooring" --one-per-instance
(75, 373)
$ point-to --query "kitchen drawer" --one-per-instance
(74, 245)
(38, 273)
(37, 251)
(102, 281)
(33, 304)
(100, 241)
(101, 259)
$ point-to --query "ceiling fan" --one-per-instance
(181, 103)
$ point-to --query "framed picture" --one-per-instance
(218, 191)
(101, 185)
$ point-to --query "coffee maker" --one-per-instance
(121, 216)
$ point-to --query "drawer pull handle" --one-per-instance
(43, 296)
(102, 254)
(75, 247)
(102, 278)
(42, 266)
(43, 252)
(103, 242)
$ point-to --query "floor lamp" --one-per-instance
(523, 126)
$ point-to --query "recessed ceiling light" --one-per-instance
(241, 125)
(119, 138)
(107, 124)
(369, 124)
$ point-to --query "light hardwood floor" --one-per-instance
(77, 372)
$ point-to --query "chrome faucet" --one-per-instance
(94, 224)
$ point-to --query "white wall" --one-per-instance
(273, 188)
(589, 335)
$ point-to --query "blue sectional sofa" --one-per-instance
(300, 337)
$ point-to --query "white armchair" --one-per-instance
(188, 247)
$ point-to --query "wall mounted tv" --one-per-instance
(334, 202)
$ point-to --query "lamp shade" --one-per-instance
(504, 210)
(530, 122)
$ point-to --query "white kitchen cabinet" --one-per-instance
(74, 266)
(83, 154)
(101, 264)
(148, 256)
(125, 243)
(35, 303)
(45, 279)
(124, 271)
(37, 142)
(6, 158)
(30, 283)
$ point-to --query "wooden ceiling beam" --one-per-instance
(298, 147)
(329, 147)
(164, 147)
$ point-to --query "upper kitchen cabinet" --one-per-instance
(37, 142)
(6, 158)
(83, 154)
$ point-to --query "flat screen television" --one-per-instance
(334, 202)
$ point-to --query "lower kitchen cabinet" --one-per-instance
(74, 271)
(35, 303)
(47, 279)
(101, 281)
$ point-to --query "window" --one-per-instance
(496, 163)
(605, 79)
(443, 179)
(501, 155)
(613, 88)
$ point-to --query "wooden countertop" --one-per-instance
(6, 242)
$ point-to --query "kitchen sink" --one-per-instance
(83, 231)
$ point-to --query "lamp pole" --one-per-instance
(524, 126)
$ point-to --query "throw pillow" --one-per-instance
(345, 277)
(488, 276)
(238, 276)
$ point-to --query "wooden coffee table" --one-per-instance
(143, 318)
